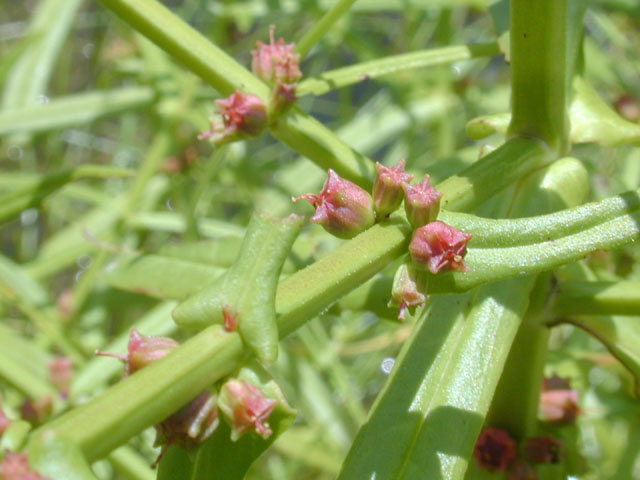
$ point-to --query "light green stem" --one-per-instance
(598, 298)
(312, 37)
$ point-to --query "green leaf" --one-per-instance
(345, 76)
(597, 298)
(621, 336)
(79, 109)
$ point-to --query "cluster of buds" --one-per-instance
(343, 208)
(15, 466)
(279, 66)
(193, 423)
(243, 115)
(558, 402)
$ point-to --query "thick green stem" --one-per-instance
(539, 71)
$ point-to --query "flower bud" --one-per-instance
(421, 202)
(387, 189)
(60, 373)
(407, 289)
(558, 403)
(243, 115)
(276, 61)
(192, 424)
(495, 449)
(15, 466)
(37, 411)
(143, 350)
(246, 408)
(343, 208)
(543, 449)
(439, 246)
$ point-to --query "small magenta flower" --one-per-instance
(406, 291)
(495, 449)
(439, 246)
(387, 189)
(343, 208)
(246, 408)
(421, 202)
(276, 62)
(143, 350)
(15, 466)
(60, 373)
(558, 403)
(243, 115)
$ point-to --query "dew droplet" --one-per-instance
(28, 217)
(387, 365)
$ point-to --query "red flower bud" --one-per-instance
(246, 408)
(37, 411)
(421, 202)
(15, 466)
(559, 406)
(243, 115)
(407, 291)
(343, 208)
(276, 61)
(439, 246)
(387, 189)
(495, 449)
(143, 350)
(60, 373)
(544, 449)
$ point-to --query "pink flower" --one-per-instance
(495, 449)
(243, 115)
(276, 62)
(559, 406)
(439, 246)
(61, 372)
(421, 202)
(387, 189)
(246, 408)
(343, 208)
(143, 350)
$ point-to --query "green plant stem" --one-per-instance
(312, 37)
(597, 298)
(539, 32)
(155, 392)
(345, 76)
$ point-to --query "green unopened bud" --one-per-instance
(387, 189)
(343, 208)
(421, 202)
(408, 285)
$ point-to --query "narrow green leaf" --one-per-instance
(312, 37)
(345, 76)
(79, 109)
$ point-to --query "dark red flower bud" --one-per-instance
(387, 189)
(246, 408)
(243, 115)
(15, 466)
(495, 449)
(421, 202)
(60, 373)
(37, 411)
(343, 208)
(544, 449)
(559, 406)
(276, 61)
(438, 246)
